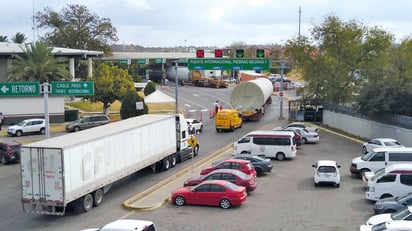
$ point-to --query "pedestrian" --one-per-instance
(216, 104)
(1, 120)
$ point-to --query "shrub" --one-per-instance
(128, 108)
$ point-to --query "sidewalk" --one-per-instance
(159, 194)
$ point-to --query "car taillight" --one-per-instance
(316, 135)
(292, 148)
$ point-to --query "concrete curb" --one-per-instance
(132, 203)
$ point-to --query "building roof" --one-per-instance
(11, 49)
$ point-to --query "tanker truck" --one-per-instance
(251, 98)
(77, 169)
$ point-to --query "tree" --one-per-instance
(39, 64)
(111, 83)
(76, 27)
(339, 57)
(128, 108)
(150, 88)
(19, 38)
(3, 38)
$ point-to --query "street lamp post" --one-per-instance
(176, 86)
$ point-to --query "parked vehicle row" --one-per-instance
(224, 183)
(386, 172)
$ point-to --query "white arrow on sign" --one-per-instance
(4, 89)
(85, 85)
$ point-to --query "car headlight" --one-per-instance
(378, 206)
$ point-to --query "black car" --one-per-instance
(10, 152)
(392, 204)
(260, 164)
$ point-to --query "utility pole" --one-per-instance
(300, 12)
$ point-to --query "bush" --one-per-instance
(128, 108)
(150, 88)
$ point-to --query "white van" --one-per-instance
(267, 143)
(394, 180)
(380, 158)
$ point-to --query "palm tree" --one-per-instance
(19, 38)
(3, 38)
(39, 64)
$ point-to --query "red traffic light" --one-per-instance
(200, 53)
(218, 53)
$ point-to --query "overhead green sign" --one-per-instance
(72, 88)
(19, 88)
(142, 61)
(228, 64)
(260, 53)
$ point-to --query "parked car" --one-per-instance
(326, 172)
(126, 225)
(301, 125)
(212, 192)
(389, 226)
(87, 122)
(298, 133)
(235, 176)
(241, 165)
(380, 143)
(403, 214)
(28, 126)
(260, 164)
(194, 125)
(309, 136)
(10, 152)
(392, 204)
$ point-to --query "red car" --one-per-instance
(235, 176)
(238, 164)
(212, 192)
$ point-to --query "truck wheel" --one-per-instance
(166, 164)
(173, 161)
(84, 204)
(98, 197)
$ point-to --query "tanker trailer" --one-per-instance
(251, 98)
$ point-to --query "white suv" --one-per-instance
(26, 127)
(326, 171)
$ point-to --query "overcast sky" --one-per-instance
(169, 23)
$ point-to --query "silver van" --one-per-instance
(87, 122)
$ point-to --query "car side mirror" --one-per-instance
(313, 165)
(338, 166)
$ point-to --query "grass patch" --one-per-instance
(89, 106)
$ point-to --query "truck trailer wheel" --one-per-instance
(166, 163)
(84, 204)
(98, 197)
(172, 160)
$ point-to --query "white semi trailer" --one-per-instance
(75, 170)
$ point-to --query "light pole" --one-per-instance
(176, 86)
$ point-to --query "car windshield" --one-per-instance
(404, 198)
(240, 174)
(401, 214)
(378, 174)
(379, 227)
(327, 169)
(392, 143)
(231, 186)
(367, 156)
(21, 123)
(258, 158)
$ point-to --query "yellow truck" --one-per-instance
(202, 81)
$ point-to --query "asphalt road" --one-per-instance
(285, 199)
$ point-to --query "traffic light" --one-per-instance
(200, 53)
(260, 53)
(240, 53)
(218, 53)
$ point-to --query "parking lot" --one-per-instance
(285, 199)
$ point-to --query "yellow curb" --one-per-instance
(130, 203)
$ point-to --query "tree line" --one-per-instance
(344, 63)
